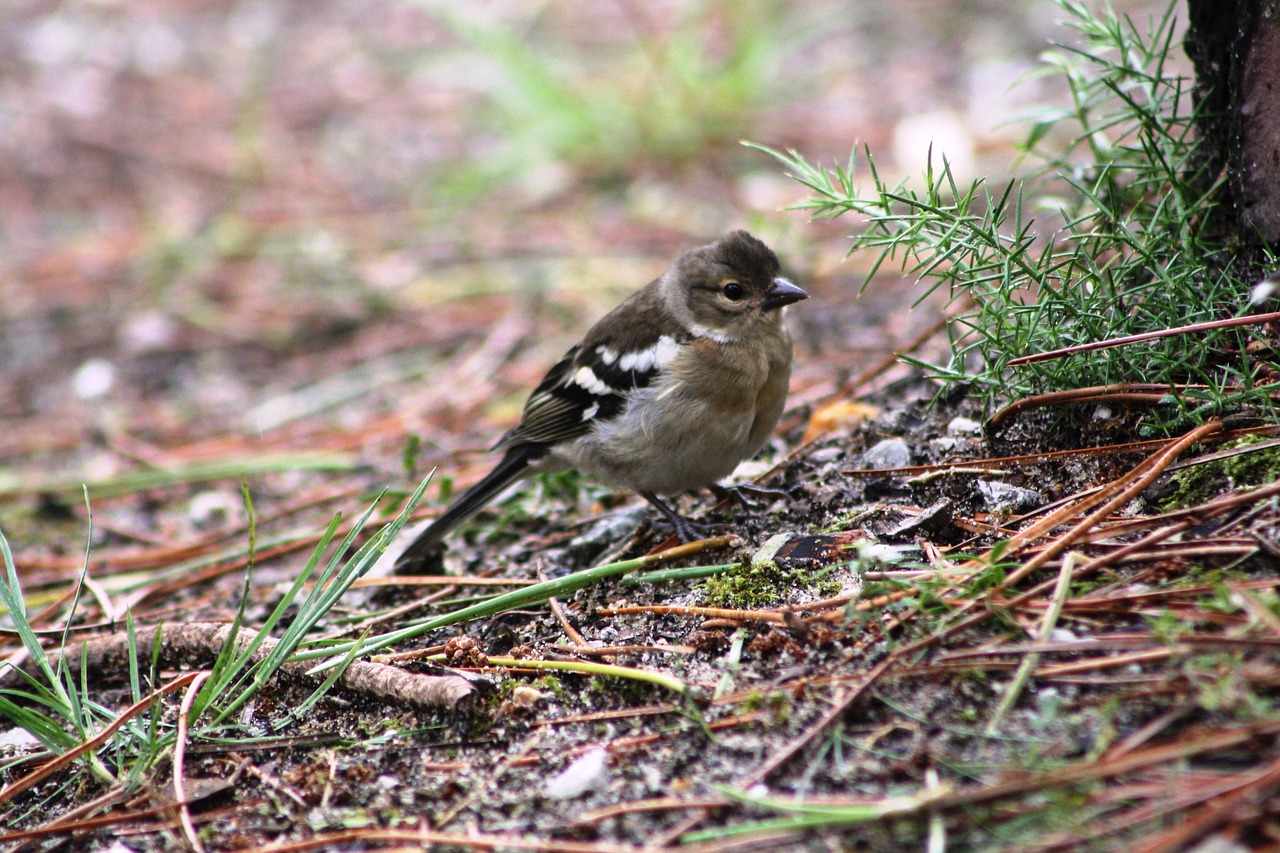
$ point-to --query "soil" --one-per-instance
(246, 243)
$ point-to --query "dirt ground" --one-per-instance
(329, 247)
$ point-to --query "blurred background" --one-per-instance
(230, 228)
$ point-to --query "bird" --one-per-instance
(666, 393)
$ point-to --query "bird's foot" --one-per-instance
(685, 530)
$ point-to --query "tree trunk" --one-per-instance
(1235, 45)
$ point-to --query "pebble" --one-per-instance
(94, 379)
(1002, 498)
(943, 446)
(587, 772)
(890, 453)
(611, 528)
(963, 426)
(825, 454)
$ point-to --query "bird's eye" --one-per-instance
(733, 290)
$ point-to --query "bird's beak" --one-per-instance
(782, 292)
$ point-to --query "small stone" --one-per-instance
(890, 453)
(825, 454)
(149, 332)
(943, 446)
(524, 696)
(935, 520)
(611, 528)
(209, 508)
(1220, 843)
(1265, 289)
(588, 771)
(1003, 499)
(94, 379)
(963, 426)
(18, 739)
(897, 421)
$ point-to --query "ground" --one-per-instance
(329, 248)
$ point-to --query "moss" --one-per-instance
(1199, 483)
(754, 585)
(776, 700)
(619, 692)
(552, 685)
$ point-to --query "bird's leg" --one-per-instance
(747, 494)
(686, 530)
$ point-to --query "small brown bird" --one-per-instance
(667, 392)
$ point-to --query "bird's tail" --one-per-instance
(512, 467)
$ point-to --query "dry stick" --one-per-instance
(571, 632)
(1049, 455)
(1130, 486)
(1127, 489)
(1120, 554)
(1162, 805)
(1219, 455)
(228, 815)
(1111, 662)
(557, 610)
(1133, 392)
(1212, 814)
(1179, 750)
(1054, 506)
(127, 822)
(1251, 320)
(654, 804)
(1086, 569)
(45, 770)
(1224, 503)
(1148, 730)
(67, 825)
(615, 714)
(112, 563)
(630, 649)
(776, 617)
(1024, 598)
(203, 640)
(1114, 642)
(1136, 481)
(179, 756)
(74, 820)
(1256, 607)
(425, 838)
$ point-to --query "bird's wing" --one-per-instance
(592, 383)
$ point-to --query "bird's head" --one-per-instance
(730, 289)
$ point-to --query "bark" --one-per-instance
(200, 642)
(1235, 46)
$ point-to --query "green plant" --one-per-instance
(57, 708)
(1117, 248)
(54, 708)
(667, 98)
